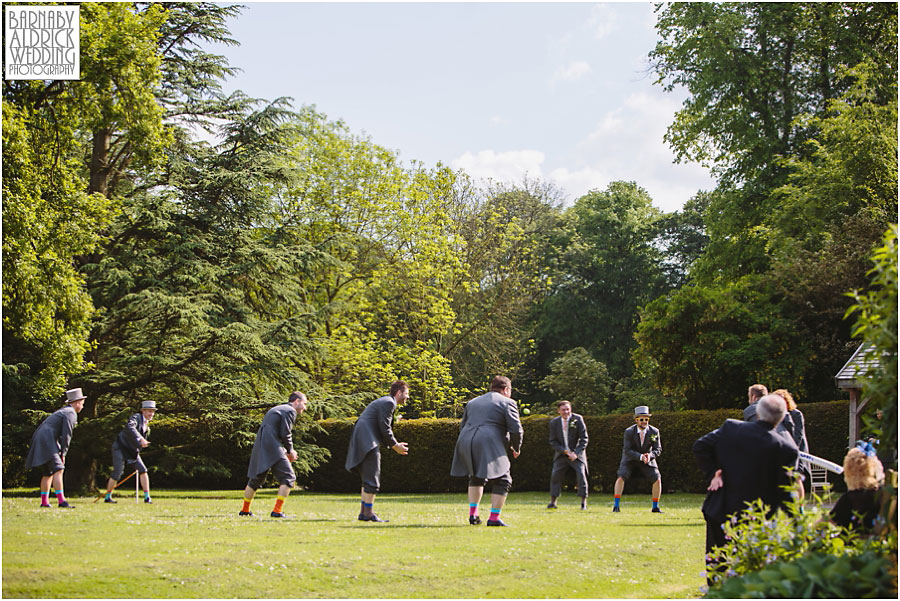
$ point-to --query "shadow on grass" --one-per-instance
(391, 526)
(667, 525)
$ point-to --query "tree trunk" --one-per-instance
(100, 162)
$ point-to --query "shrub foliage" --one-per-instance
(431, 443)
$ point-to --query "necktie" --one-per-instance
(642, 436)
(565, 428)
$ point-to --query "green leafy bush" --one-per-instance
(431, 444)
(756, 541)
(816, 576)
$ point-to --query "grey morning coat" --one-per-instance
(577, 437)
(52, 437)
(632, 449)
(129, 438)
(488, 423)
(372, 429)
(273, 439)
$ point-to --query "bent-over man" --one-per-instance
(569, 439)
(372, 429)
(489, 423)
(641, 446)
(126, 450)
(49, 446)
(273, 450)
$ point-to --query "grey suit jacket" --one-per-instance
(52, 437)
(750, 413)
(488, 423)
(632, 449)
(129, 438)
(577, 437)
(372, 429)
(273, 439)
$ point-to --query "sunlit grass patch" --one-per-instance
(193, 544)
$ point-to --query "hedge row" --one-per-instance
(431, 443)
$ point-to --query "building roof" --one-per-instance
(854, 371)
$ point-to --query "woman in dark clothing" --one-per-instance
(796, 427)
(858, 507)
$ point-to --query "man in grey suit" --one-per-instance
(569, 439)
(49, 446)
(641, 446)
(489, 423)
(273, 450)
(126, 449)
(754, 393)
(372, 429)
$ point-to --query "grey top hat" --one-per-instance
(74, 395)
(642, 410)
(148, 405)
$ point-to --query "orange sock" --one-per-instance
(246, 505)
(279, 501)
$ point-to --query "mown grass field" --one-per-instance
(193, 544)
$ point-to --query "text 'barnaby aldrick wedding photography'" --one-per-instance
(42, 42)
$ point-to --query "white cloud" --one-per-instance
(602, 21)
(626, 144)
(498, 120)
(579, 182)
(507, 166)
(572, 72)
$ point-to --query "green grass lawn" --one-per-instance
(193, 544)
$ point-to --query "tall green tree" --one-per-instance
(384, 296)
(876, 323)
(751, 69)
(201, 311)
(605, 265)
(794, 107)
(503, 231)
(577, 377)
(54, 210)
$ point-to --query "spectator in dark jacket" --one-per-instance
(745, 461)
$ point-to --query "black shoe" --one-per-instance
(474, 520)
(615, 510)
(656, 510)
(109, 500)
(552, 506)
(584, 505)
(497, 522)
(277, 514)
(148, 500)
(66, 505)
(245, 513)
(370, 518)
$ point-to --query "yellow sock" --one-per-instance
(279, 501)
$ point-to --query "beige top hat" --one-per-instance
(642, 410)
(74, 395)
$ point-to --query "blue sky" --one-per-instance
(559, 91)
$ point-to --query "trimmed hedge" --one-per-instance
(431, 444)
